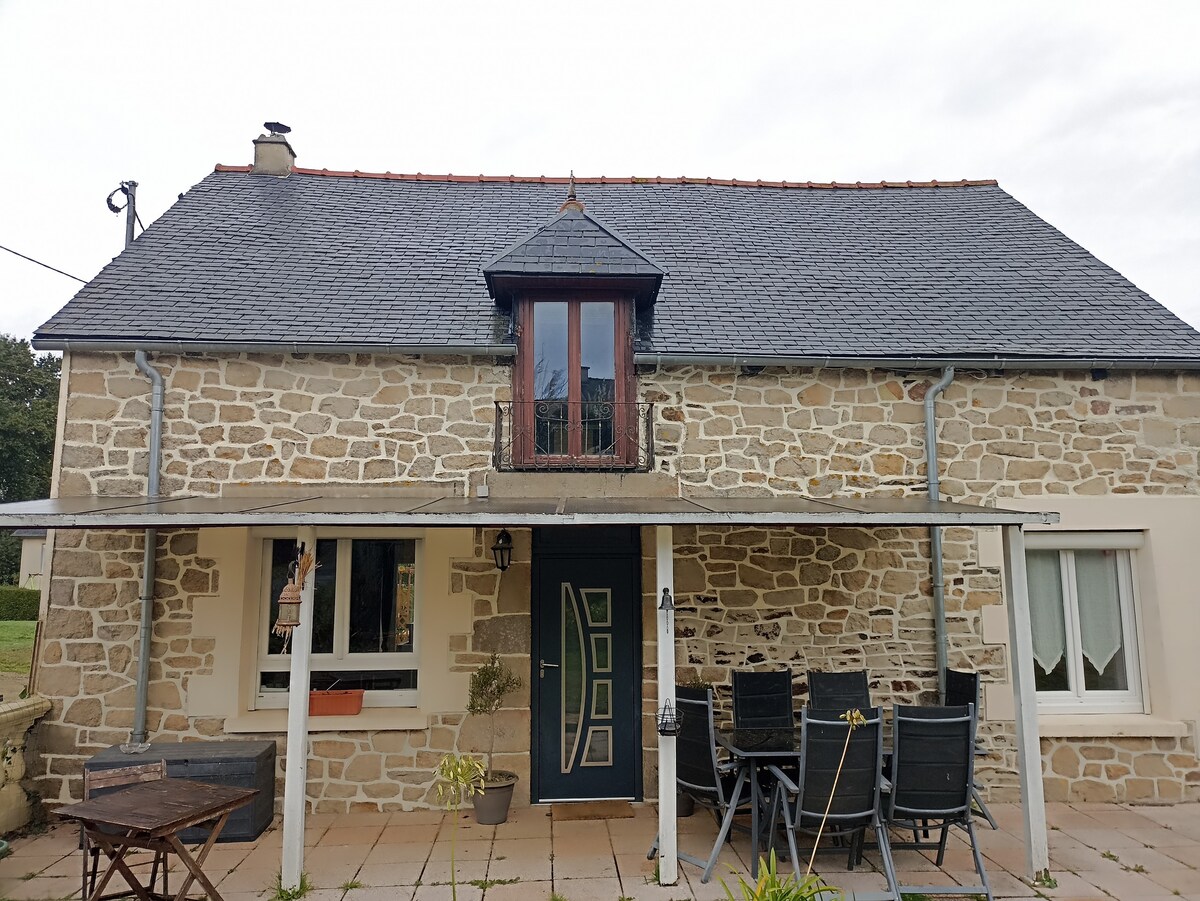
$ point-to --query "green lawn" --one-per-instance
(16, 646)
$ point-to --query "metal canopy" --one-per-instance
(400, 510)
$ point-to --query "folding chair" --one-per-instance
(854, 807)
(714, 784)
(933, 767)
(98, 782)
(762, 700)
(838, 691)
(962, 688)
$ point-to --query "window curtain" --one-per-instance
(1099, 606)
(1046, 608)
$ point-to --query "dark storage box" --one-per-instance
(244, 764)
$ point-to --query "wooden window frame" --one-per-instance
(625, 418)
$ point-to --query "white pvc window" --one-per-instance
(364, 626)
(1083, 610)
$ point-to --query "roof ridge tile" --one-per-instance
(631, 180)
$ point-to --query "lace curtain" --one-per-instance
(1099, 606)
(1046, 608)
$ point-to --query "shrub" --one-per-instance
(19, 603)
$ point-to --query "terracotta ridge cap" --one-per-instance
(630, 180)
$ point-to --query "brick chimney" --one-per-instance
(273, 155)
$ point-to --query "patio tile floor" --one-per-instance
(1098, 852)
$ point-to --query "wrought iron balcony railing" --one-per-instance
(565, 436)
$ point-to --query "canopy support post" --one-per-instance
(668, 839)
(296, 761)
(1029, 752)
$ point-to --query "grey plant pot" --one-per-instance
(491, 807)
(685, 805)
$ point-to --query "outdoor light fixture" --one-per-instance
(502, 550)
(667, 603)
(668, 719)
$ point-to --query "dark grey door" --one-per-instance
(586, 674)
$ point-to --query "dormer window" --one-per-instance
(574, 378)
(573, 285)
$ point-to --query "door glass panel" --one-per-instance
(598, 751)
(1098, 584)
(1044, 573)
(597, 376)
(381, 576)
(602, 653)
(283, 555)
(602, 699)
(599, 606)
(550, 377)
(573, 674)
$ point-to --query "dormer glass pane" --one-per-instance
(597, 375)
(551, 381)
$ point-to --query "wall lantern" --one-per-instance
(668, 719)
(289, 598)
(502, 550)
(667, 603)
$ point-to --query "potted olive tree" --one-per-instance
(490, 684)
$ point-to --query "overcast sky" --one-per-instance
(1087, 112)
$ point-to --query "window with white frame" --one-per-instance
(1083, 608)
(364, 620)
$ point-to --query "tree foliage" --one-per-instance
(28, 412)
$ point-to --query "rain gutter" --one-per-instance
(935, 532)
(185, 347)
(138, 738)
(904, 363)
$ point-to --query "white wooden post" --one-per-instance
(668, 840)
(296, 762)
(1029, 750)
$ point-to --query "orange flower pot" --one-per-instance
(342, 702)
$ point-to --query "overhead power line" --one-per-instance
(43, 265)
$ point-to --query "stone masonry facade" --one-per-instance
(804, 598)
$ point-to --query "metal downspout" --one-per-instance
(138, 738)
(935, 532)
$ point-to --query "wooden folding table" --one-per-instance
(149, 816)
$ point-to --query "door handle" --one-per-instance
(542, 664)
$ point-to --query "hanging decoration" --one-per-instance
(289, 597)
(405, 573)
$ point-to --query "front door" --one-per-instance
(586, 663)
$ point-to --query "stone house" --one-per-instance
(718, 389)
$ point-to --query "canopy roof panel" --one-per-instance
(318, 509)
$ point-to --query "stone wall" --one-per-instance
(1133, 770)
(270, 418)
(820, 598)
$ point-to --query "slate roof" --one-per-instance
(870, 272)
(573, 243)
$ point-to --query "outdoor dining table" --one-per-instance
(149, 816)
(756, 749)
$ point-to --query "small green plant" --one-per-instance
(458, 779)
(490, 684)
(351, 884)
(555, 896)
(1045, 880)
(291, 894)
(1108, 855)
(1136, 868)
(486, 884)
(28, 876)
(773, 887)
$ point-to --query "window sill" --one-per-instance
(372, 719)
(1108, 725)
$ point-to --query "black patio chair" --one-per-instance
(804, 798)
(933, 769)
(762, 700)
(714, 784)
(962, 688)
(838, 691)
